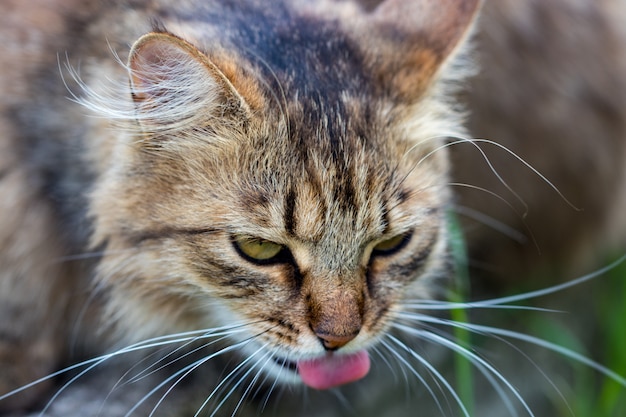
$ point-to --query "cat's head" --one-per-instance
(287, 177)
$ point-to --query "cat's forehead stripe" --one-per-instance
(354, 206)
(289, 208)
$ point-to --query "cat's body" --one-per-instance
(551, 89)
(317, 128)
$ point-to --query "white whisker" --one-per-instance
(501, 302)
(226, 379)
(555, 288)
(182, 373)
(146, 344)
(434, 372)
(437, 305)
(451, 323)
(255, 380)
(246, 392)
(273, 386)
(345, 402)
(391, 368)
(220, 336)
(490, 165)
(407, 365)
(553, 347)
(520, 159)
(489, 330)
(491, 222)
(99, 254)
(484, 190)
(482, 365)
(458, 139)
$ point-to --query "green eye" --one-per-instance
(256, 249)
(392, 245)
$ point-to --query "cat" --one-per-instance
(214, 203)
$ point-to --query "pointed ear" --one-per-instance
(176, 87)
(414, 39)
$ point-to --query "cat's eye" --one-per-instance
(392, 245)
(257, 250)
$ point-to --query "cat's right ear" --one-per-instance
(176, 87)
(410, 41)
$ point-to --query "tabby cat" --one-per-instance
(233, 202)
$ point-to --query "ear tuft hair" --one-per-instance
(175, 86)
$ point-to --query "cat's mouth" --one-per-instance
(285, 364)
(329, 371)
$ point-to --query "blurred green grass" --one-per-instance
(604, 301)
(591, 320)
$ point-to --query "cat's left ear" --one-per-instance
(176, 87)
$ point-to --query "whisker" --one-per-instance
(187, 373)
(569, 353)
(345, 403)
(101, 360)
(555, 288)
(406, 364)
(501, 302)
(225, 380)
(484, 190)
(438, 305)
(78, 321)
(255, 379)
(481, 364)
(489, 330)
(272, 387)
(241, 328)
(492, 168)
(526, 164)
(391, 368)
(182, 373)
(446, 322)
(245, 393)
(93, 294)
(491, 222)
(101, 253)
(122, 379)
(458, 139)
(94, 362)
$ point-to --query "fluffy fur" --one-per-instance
(323, 127)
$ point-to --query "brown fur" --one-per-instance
(328, 144)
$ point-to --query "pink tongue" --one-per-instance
(334, 370)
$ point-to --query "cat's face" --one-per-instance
(301, 220)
